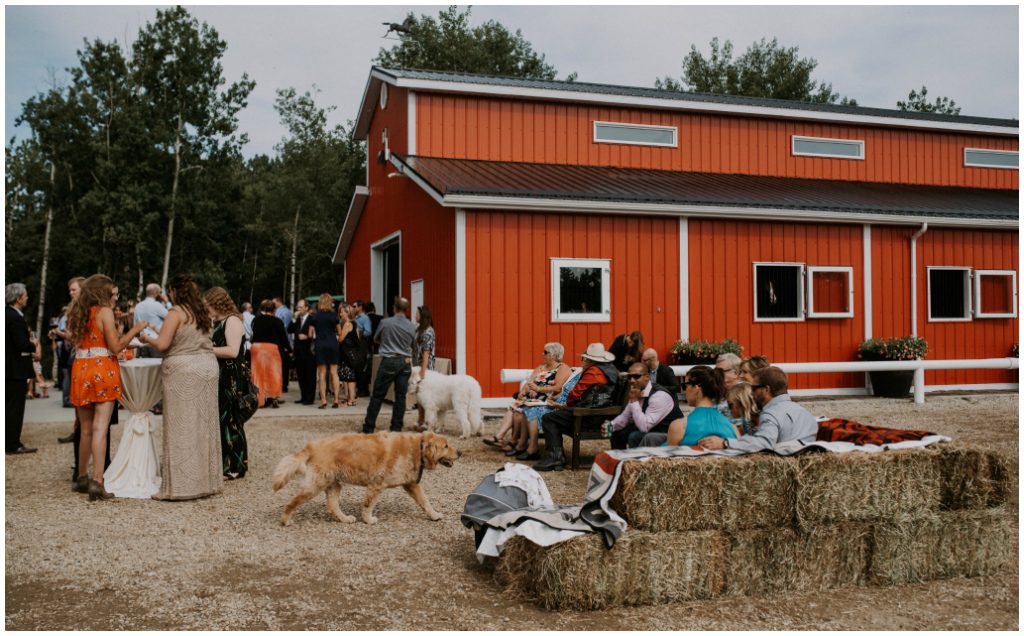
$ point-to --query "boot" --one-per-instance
(81, 484)
(97, 491)
(554, 461)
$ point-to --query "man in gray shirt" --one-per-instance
(153, 310)
(395, 336)
(781, 420)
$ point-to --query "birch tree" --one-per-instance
(176, 60)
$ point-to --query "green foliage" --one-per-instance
(766, 69)
(906, 348)
(450, 44)
(919, 102)
(114, 133)
(702, 351)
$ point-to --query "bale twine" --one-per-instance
(943, 545)
(973, 478)
(833, 487)
(772, 560)
(642, 569)
(708, 493)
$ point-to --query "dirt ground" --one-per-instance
(227, 563)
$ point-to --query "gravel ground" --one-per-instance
(226, 562)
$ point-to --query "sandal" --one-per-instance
(493, 441)
(335, 405)
(323, 405)
(514, 452)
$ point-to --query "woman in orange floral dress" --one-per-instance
(96, 376)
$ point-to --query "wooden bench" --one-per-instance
(609, 412)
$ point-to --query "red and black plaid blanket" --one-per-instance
(839, 430)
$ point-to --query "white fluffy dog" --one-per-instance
(438, 393)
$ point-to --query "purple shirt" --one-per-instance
(658, 407)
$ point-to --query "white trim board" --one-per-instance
(684, 279)
(460, 292)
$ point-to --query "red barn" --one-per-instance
(528, 211)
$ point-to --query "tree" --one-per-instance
(919, 102)
(449, 44)
(177, 68)
(766, 69)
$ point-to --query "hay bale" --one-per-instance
(706, 494)
(943, 545)
(642, 568)
(516, 568)
(770, 560)
(833, 487)
(973, 478)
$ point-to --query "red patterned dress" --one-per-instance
(96, 375)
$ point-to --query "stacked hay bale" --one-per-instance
(700, 528)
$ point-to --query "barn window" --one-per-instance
(580, 290)
(830, 148)
(778, 291)
(949, 294)
(981, 158)
(829, 292)
(606, 132)
(995, 293)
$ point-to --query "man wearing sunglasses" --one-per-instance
(651, 408)
(782, 419)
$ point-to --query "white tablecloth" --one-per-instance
(135, 470)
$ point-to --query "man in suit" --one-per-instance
(305, 366)
(20, 350)
(662, 374)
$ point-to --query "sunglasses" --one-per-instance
(636, 376)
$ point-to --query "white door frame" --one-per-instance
(376, 263)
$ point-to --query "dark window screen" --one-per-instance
(947, 296)
(579, 290)
(778, 291)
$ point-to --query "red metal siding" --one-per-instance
(466, 127)
(722, 257)
(980, 337)
(508, 286)
(977, 338)
(428, 230)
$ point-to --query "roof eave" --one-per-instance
(355, 212)
(470, 202)
(368, 104)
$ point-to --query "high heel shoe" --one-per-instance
(335, 405)
(97, 491)
(81, 485)
(322, 406)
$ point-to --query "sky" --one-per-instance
(875, 54)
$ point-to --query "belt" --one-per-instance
(95, 352)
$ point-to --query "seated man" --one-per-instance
(651, 408)
(781, 420)
(598, 371)
(662, 374)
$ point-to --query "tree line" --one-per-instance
(134, 166)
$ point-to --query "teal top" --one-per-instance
(704, 421)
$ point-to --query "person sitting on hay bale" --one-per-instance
(752, 365)
(703, 388)
(782, 420)
(742, 407)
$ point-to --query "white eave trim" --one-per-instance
(682, 105)
(348, 230)
(733, 212)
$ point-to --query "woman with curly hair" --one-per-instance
(96, 375)
(228, 332)
(190, 466)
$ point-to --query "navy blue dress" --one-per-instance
(325, 341)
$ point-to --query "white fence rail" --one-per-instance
(918, 366)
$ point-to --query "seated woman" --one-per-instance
(545, 381)
(743, 408)
(751, 365)
(528, 422)
(703, 387)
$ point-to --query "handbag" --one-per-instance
(247, 399)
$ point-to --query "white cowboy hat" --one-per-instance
(595, 352)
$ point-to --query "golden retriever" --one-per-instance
(377, 461)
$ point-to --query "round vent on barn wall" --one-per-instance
(383, 96)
